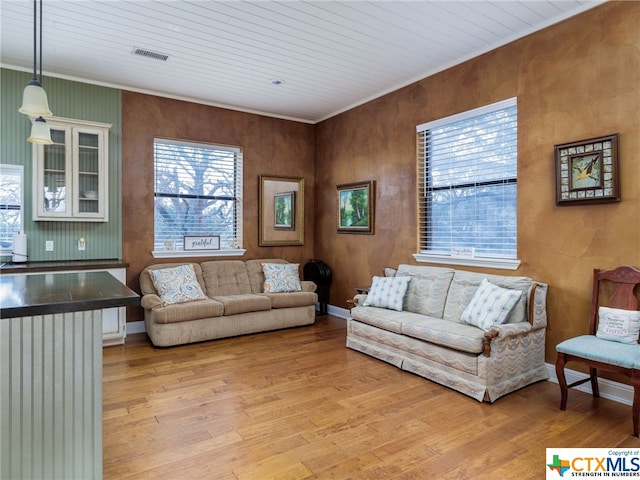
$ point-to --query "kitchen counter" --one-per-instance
(42, 293)
(57, 266)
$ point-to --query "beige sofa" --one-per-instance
(429, 338)
(236, 304)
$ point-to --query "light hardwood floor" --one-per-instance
(297, 404)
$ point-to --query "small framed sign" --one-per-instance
(211, 242)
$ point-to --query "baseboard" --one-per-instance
(618, 392)
(136, 327)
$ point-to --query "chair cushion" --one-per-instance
(618, 325)
(599, 350)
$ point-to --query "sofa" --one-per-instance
(221, 299)
(482, 335)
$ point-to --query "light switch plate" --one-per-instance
(48, 246)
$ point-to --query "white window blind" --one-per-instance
(11, 205)
(198, 191)
(467, 183)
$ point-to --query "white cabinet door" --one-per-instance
(70, 181)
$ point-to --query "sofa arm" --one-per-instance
(356, 301)
(150, 301)
(504, 331)
(308, 286)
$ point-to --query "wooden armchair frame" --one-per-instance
(624, 280)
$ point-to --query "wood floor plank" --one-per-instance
(297, 404)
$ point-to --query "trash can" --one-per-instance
(319, 273)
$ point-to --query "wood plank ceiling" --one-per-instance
(328, 55)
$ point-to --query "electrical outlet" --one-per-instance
(82, 244)
(48, 246)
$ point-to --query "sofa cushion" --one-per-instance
(186, 311)
(464, 286)
(490, 305)
(427, 292)
(387, 292)
(281, 277)
(243, 303)
(256, 273)
(293, 299)
(458, 336)
(177, 284)
(618, 325)
(225, 277)
(390, 320)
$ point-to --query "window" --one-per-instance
(467, 174)
(198, 191)
(11, 205)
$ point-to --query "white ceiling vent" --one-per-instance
(149, 54)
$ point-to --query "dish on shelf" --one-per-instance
(89, 194)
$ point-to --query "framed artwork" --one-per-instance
(587, 171)
(284, 211)
(356, 207)
(280, 211)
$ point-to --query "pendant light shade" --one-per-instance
(34, 100)
(40, 132)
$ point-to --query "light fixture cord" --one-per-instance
(35, 36)
(40, 42)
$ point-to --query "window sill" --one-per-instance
(502, 263)
(231, 252)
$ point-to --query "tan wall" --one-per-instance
(576, 80)
(270, 147)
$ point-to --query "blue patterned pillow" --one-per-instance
(490, 305)
(177, 284)
(387, 292)
(281, 277)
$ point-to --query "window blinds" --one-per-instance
(467, 183)
(198, 191)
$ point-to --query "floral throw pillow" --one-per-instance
(177, 284)
(281, 278)
(618, 325)
(490, 305)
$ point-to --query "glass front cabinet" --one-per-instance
(70, 176)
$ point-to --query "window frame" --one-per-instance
(11, 169)
(486, 261)
(226, 252)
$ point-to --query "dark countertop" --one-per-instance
(33, 267)
(46, 293)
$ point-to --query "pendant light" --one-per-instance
(34, 97)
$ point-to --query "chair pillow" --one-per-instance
(387, 292)
(490, 305)
(177, 284)
(281, 277)
(618, 325)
